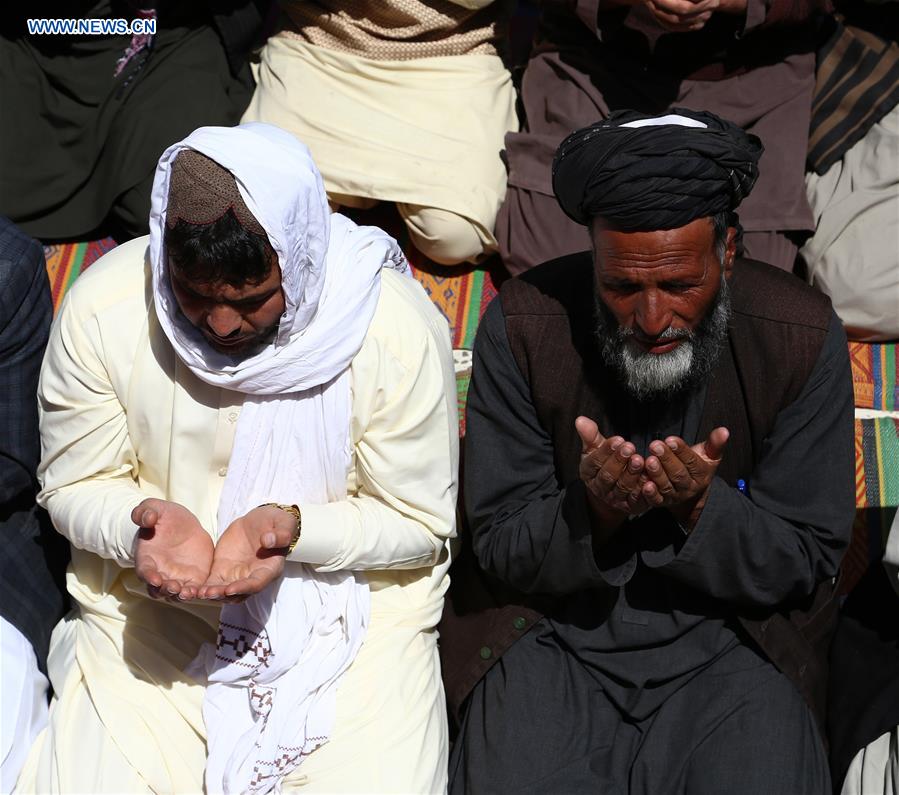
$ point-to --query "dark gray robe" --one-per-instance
(641, 681)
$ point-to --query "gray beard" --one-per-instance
(649, 375)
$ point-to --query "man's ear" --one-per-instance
(730, 251)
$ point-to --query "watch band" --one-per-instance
(294, 511)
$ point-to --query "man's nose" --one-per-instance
(653, 314)
(223, 321)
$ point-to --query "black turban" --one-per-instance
(654, 177)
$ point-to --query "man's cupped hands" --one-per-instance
(621, 483)
(177, 559)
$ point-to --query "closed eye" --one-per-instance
(622, 288)
(677, 287)
(250, 303)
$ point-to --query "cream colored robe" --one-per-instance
(423, 132)
(123, 419)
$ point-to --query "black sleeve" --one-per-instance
(789, 532)
(26, 312)
(526, 530)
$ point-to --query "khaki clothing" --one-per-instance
(387, 30)
(854, 254)
(414, 115)
(124, 419)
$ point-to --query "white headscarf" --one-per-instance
(270, 699)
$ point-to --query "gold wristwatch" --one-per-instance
(294, 511)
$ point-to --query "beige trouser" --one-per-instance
(425, 133)
(443, 236)
(854, 253)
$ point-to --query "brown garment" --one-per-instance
(395, 30)
(201, 192)
(776, 319)
(856, 85)
(760, 78)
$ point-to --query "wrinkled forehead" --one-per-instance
(680, 252)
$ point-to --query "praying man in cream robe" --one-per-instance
(249, 434)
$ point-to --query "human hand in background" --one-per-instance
(684, 16)
(173, 553)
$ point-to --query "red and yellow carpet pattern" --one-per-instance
(66, 260)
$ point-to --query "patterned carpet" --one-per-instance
(874, 368)
(876, 493)
(66, 260)
(462, 295)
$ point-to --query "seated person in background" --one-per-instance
(33, 557)
(89, 116)
(853, 182)
(659, 484)
(751, 62)
(269, 396)
(404, 101)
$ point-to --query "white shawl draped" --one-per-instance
(272, 676)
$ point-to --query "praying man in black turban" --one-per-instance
(658, 490)
(641, 173)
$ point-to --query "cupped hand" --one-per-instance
(249, 555)
(611, 471)
(173, 553)
(679, 476)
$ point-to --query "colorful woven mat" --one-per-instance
(461, 298)
(874, 368)
(876, 494)
(877, 462)
(461, 292)
(66, 260)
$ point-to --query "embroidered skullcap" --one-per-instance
(201, 191)
(642, 173)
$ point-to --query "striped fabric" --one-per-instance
(66, 260)
(877, 462)
(462, 298)
(857, 84)
(876, 494)
(874, 368)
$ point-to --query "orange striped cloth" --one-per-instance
(66, 260)
(874, 368)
